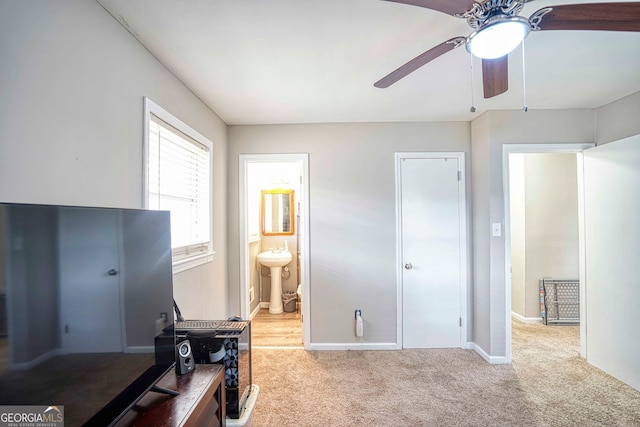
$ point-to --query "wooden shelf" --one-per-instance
(201, 401)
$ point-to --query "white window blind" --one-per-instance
(178, 173)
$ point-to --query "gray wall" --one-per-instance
(72, 84)
(618, 120)
(352, 215)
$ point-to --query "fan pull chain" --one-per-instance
(524, 82)
(473, 107)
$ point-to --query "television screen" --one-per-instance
(86, 307)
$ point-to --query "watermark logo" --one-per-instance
(31, 416)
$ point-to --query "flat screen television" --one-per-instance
(86, 308)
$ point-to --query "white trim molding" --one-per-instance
(494, 360)
(523, 319)
(354, 346)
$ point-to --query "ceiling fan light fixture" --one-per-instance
(498, 36)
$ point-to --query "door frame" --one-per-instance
(244, 161)
(462, 199)
(542, 148)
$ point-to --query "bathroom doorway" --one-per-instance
(267, 181)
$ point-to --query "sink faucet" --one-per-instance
(284, 248)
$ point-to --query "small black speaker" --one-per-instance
(184, 358)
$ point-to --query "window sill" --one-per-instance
(192, 262)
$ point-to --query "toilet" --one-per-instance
(300, 295)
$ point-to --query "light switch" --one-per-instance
(496, 229)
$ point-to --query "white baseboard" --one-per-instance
(494, 360)
(469, 345)
(255, 311)
(523, 319)
(354, 346)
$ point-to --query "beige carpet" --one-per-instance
(547, 385)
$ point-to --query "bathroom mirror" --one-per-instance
(277, 212)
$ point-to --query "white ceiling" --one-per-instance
(310, 61)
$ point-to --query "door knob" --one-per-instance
(112, 272)
(408, 266)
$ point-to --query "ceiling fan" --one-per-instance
(498, 29)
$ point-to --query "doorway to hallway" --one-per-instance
(510, 207)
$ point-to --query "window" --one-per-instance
(177, 179)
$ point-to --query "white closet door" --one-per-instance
(431, 253)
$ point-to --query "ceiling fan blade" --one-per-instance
(495, 76)
(418, 62)
(450, 7)
(592, 16)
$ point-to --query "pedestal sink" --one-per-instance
(275, 260)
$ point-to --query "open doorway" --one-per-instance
(544, 257)
(276, 322)
(555, 239)
(544, 233)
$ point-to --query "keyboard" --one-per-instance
(197, 324)
(210, 325)
(231, 326)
